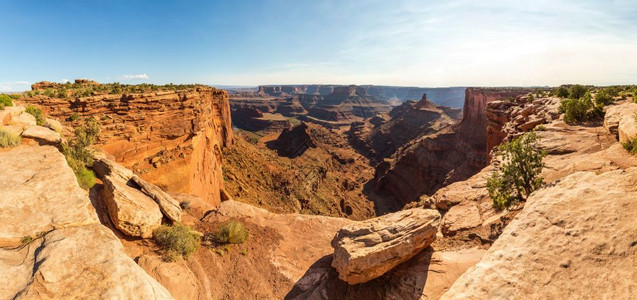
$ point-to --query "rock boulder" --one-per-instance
(42, 135)
(366, 250)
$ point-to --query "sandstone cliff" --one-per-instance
(171, 138)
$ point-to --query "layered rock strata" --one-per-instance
(368, 249)
(170, 138)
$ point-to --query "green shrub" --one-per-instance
(9, 139)
(561, 92)
(26, 239)
(1, 106)
(177, 239)
(37, 113)
(577, 91)
(630, 146)
(74, 117)
(231, 232)
(581, 110)
(79, 155)
(603, 97)
(518, 176)
(5, 100)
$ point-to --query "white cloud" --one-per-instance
(135, 77)
(14, 86)
(65, 80)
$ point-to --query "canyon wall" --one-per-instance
(454, 153)
(448, 96)
(171, 138)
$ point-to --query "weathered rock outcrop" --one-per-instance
(134, 205)
(620, 121)
(574, 239)
(170, 138)
(367, 250)
(42, 135)
(506, 120)
(66, 253)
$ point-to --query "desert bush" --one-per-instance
(630, 146)
(9, 139)
(577, 91)
(37, 113)
(26, 239)
(177, 239)
(581, 110)
(561, 92)
(5, 100)
(231, 232)
(79, 155)
(603, 97)
(185, 205)
(74, 117)
(1, 106)
(518, 176)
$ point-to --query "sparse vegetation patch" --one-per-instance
(231, 232)
(177, 240)
(5, 100)
(78, 154)
(9, 139)
(37, 113)
(518, 175)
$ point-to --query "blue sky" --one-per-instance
(398, 42)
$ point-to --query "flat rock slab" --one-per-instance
(573, 240)
(87, 262)
(366, 250)
(38, 193)
(24, 119)
(42, 135)
(460, 217)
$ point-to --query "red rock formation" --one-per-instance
(454, 153)
(293, 142)
(380, 136)
(170, 138)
